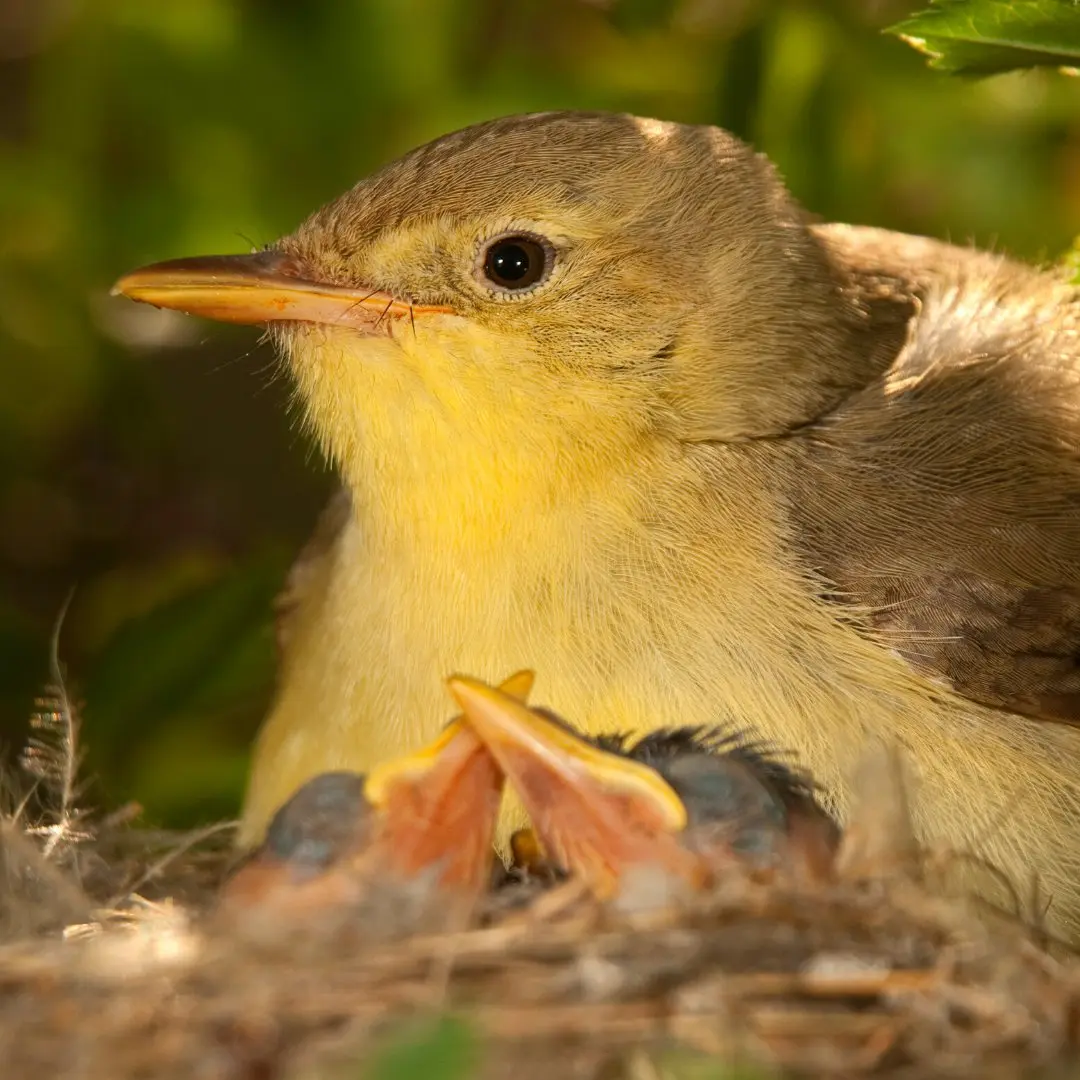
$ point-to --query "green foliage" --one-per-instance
(187, 666)
(683, 1064)
(441, 1049)
(985, 37)
(447, 1048)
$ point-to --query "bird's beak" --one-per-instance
(599, 814)
(437, 810)
(264, 287)
(438, 806)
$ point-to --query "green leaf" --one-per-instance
(679, 1062)
(984, 37)
(442, 1049)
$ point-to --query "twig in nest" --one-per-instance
(190, 841)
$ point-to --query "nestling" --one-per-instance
(605, 404)
(649, 821)
(408, 847)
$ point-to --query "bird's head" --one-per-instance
(538, 284)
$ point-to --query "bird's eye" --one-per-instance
(516, 263)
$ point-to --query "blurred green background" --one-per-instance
(149, 461)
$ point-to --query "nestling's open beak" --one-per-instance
(437, 810)
(599, 814)
(267, 286)
(438, 806)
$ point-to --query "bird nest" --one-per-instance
(869, 974)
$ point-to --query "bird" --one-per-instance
(606, 402)
(409, 844)
(650, 820)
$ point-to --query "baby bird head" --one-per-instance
(544, 288)
(656, 818)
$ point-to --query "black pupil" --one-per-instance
(514, 263)
(510, 261)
